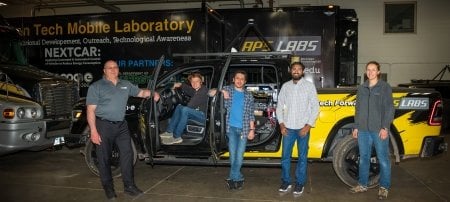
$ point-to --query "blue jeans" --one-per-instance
(236, 147)
(179, 119)
(302, 148)
(365, 141)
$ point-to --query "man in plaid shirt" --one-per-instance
(240, 121)
(297, 111)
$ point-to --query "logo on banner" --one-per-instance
(300, 45)
(83, 79)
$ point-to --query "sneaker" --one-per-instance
(166, 135)
(133, 190)
(358, 189)
(382, 193)
(298, 189)
(171, 140)
(110, 193)
(239, 184)
(231, 184)
(177, 140)
(285, 187)
(166, 140)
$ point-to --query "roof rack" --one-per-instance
(243, 55)
(240, 38)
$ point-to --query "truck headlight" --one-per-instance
(20, 113)
(76, 114)
(33, 113)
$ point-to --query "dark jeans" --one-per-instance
(119, 134)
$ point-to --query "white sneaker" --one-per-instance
(166, 140)
(171, 140)
(166, 135)
(177, 140)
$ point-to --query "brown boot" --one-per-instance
(382, 193)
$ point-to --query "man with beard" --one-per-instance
(297, 111)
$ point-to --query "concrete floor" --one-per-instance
(63, 176)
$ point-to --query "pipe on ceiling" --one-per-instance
(112, 6)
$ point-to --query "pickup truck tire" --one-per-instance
(346, 163)
(90, 158)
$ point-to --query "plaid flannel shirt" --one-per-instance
(248, 113)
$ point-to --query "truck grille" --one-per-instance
(57, 98)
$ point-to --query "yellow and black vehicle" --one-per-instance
(415, 131)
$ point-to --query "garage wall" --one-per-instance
(403, 56)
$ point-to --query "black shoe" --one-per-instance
(110, 193)
(231, 184)
(298, 189)
(133, 191)
(239, 184)
(285, 187)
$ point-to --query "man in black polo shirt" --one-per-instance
(106, 101)
(195, 109)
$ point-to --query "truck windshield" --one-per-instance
(11, 52)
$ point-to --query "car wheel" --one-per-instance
(91, 160)
(346, 163)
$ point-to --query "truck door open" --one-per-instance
(217, 123)
(148, 119)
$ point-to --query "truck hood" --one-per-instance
(28, 76)
(6, 101)
(28, 72)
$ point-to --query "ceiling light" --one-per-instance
(3, 4)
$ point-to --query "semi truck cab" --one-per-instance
(28, 94)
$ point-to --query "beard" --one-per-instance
(296, 77)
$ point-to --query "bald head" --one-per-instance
(111, 70)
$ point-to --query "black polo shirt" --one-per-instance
(111, 100)
(199, 98)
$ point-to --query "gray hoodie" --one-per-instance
(374, 107)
